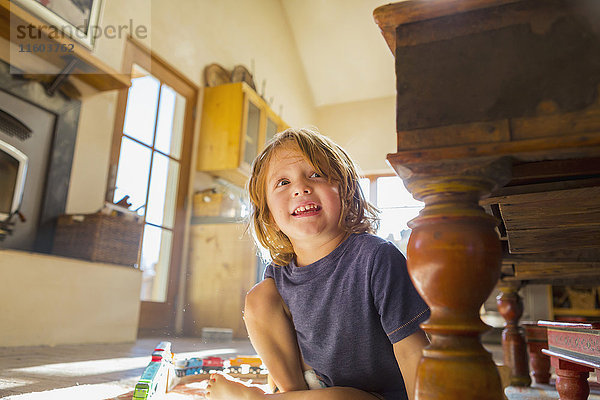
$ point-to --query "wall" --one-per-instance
(222, 271)
(365, 129)
(48, 300)
(190, 36)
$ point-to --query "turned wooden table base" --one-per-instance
(489, 93)
(574, 350)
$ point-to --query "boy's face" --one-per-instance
(303, 204)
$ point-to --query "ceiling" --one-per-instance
(344, 55)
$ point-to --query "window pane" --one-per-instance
(392, 193)
(365, 185)
(142, 100)
(163, 191)
(154, 263)
(251, 137)
(169, 127)
(394, 220)
(132, 174)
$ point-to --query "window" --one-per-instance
(151, 163)
(396, 204)
(148, 172)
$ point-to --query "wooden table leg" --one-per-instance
(571, 379)
(514, 347)
(454, 257)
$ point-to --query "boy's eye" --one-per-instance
(315, 175)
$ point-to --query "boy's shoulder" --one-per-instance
(369, 239)
(369, 243)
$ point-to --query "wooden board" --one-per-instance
(586, 120)
(566, 270)
(478, 132)
(541, 240)
(540, 222)
(222, 270)
(389, 16)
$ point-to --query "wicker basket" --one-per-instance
(98, 237)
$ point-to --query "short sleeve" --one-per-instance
(269, 273)
(400, 307)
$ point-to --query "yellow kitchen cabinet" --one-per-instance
(236, 123)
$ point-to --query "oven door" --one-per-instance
(13, 171)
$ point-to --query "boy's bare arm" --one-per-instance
(222, 387)
(408, 354)
(272, 334)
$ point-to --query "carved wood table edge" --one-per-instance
(574, 350)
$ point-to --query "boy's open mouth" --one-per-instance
(306, 209)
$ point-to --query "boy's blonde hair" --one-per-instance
(329, 160)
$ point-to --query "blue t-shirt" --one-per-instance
(349, 308)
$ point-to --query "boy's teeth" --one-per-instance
(305, 208)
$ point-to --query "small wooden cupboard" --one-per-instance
(236, 124)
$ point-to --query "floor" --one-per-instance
(111, 371)
(93, 371)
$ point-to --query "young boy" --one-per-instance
(337, 308)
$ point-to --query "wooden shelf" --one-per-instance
(88, 68)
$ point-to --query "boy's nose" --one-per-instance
(302, 190)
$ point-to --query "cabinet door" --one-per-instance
(271, 130)
(273, 125)
(251, 132)
(222, 128)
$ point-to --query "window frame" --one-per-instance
(160, 317)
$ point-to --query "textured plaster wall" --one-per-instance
(366, 129)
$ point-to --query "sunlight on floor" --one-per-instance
(98, 367)
(101, 371)
(12, 383)
(89, 392)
